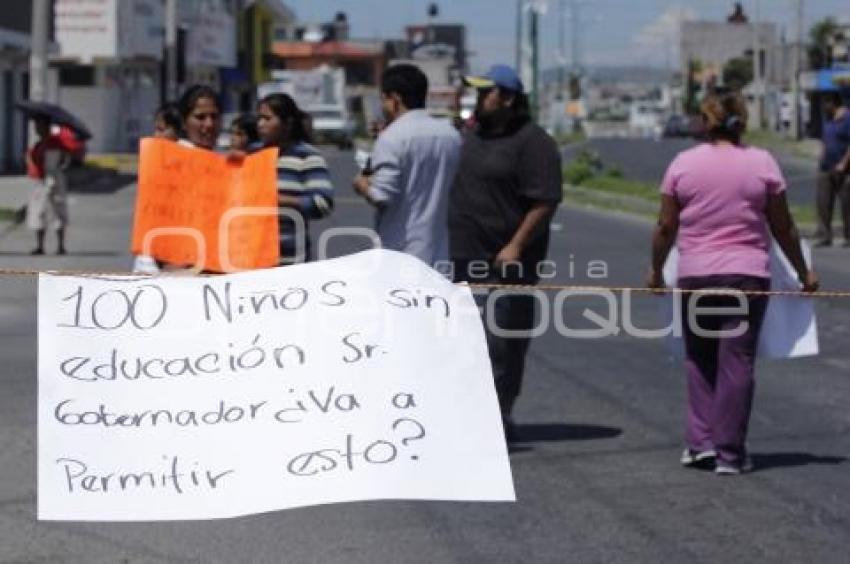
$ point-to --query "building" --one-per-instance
(308, 46)
(256, 24)
(711, 45)
(362, 61)
(15, 24)
(108, 67)
(709, 50)
(206, 41)
(110, 64)
(439, 41)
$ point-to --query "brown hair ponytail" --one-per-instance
(725, 115)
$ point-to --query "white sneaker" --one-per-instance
(144, 264)
(729, 469)
(698, 458)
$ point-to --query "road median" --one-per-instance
(590, 184)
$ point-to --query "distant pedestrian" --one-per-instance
(834, 172)
(244, 136)
(720, 201)
(413, 165)
(47, 162)
(506, 191)
(167, 122)
(303, 181)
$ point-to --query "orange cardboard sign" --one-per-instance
(196, 208)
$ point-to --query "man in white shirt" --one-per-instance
(413, 167)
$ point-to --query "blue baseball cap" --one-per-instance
(502, 76)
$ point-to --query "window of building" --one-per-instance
(77, 75)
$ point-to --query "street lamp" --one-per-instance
(796, 124)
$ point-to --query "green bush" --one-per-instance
(578, 171)
(583, 167)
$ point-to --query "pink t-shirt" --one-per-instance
(722, 191)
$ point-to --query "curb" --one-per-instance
(608, 201)
(631, 205)
(125, 163)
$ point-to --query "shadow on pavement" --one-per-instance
(70, 253)
(791, 459)
(550, 432)
(95, 180)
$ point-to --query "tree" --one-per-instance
(692, 87)
(738, 72)
(822, 36)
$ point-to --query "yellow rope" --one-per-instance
(544, 287)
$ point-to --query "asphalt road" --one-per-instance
(647, 160)
(597, 474)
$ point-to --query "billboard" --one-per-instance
(109, 29)
(212, 39)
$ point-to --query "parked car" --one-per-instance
(330, 124)
(678, 125)
(645, 120)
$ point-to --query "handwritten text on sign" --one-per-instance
(196, 208)
(365, 377)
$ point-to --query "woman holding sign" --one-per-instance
(199, 126)
(720, 202)
(303, 181)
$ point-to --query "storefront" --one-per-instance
(108, 67)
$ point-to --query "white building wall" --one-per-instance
(118, 109)
(122, 40)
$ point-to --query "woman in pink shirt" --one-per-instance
(720, 202)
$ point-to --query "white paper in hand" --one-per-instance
(789, 329)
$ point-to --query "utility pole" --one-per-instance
(171, 49)
(796, 118)
(562, 59)
(758, 79)
(518, 46)
(535, 63)
(575, 16)
(38, 53)
(526, 55)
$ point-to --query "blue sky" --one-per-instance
(614, 31)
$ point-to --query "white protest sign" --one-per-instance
(365, 377)
(789, 329)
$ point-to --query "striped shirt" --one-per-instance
(302, 172)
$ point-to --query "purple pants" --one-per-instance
(720, 369)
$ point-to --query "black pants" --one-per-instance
(512, 311)
(830, 187)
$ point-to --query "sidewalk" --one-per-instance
(14, 193)
(91, 178)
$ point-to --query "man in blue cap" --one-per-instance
(506, 191)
